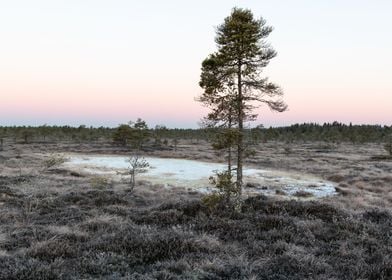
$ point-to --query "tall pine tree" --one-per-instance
(232, 81)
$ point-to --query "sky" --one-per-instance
(106, 62)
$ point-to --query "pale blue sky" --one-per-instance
(107, 62)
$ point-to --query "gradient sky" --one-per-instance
(98, 62)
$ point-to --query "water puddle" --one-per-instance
(194, 174)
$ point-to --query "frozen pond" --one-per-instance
(194, 174)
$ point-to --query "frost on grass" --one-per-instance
(101, 234)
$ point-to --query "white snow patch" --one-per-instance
(194, 174)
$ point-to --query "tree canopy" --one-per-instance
(233, 83)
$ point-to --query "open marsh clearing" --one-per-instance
(195, 174)
(57, 224)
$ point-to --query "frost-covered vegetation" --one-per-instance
(114, 234)
(66, 224)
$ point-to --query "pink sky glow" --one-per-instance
(103, 63)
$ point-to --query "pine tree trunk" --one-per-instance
(229, 148)
(240, 132)
(229, 161)
(132, 179)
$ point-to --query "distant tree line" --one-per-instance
(161, 135)
(46, 134)
(328, 132)
(124, 134)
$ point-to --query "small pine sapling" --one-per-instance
(137, 164)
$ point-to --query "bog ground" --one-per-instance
(65, 224)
